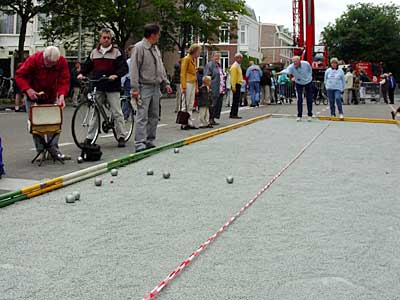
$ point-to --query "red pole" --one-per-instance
(310, 30)
(301, 24)
(298, 23)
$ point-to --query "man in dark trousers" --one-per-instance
(392, 87)
(236, 77)
(218, 86)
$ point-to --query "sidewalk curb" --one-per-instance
(77, 176)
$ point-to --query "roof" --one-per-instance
(252, 13)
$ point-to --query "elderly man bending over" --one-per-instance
(302, 72)
(44, 78)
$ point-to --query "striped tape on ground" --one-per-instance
(157, 289)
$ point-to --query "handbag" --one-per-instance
(183, 116)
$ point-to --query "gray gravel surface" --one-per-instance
(327, 229)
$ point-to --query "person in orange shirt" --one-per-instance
(189, 82)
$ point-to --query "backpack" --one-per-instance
(91, 152)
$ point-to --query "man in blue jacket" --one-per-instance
(254, 74)
(302, 72)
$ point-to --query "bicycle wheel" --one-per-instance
(325, 100)
(85, 115)
(129, 118)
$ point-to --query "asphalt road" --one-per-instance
(18, 147)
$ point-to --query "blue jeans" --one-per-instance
(254, 92)
(335, 96)
(309, 96)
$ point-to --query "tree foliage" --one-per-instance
(184, 20)
(125, 17)
(366, 32)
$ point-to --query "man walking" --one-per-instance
(236, 77)
(75, 83)
(218, 86)
(302, 72)
(348, 88)
(254, 74)
(392, 87)
(147, 77)
(107, 61)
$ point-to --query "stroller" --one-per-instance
(1, 161)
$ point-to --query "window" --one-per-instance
(224, 61)
(201, 61)
(41, 20)
(243, 34)
(6, 23)
(18, 25)
(224, 35)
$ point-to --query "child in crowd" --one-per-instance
(204, 102)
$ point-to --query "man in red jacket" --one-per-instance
(44, 78)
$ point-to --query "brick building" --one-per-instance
(276, 44)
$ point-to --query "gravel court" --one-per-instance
(123, 237)
(329, 228)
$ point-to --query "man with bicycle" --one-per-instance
(107, 60)
(148, 76)
(44, 78)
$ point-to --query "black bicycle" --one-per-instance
(320, 93)
(87, 115)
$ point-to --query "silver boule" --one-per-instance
(98, 182)
(70, 198)
(77, 195)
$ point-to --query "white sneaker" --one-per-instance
(298, 119)
(309, 119)
(341, 116)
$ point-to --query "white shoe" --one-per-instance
(341, 116)
(309, 119)
(298, 119)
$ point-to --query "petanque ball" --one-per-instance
(77, 195)
(80, 160)
(150, 172)
(166, 175)
(176, 150)
(229, 179)
(70, 198)
(114, 172)
(98, 182)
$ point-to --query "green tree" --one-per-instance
(125, 17)
(366, 32)
(26, 10)
(184, 20)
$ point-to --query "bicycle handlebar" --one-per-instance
(95, 80)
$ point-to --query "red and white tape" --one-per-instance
(203, 246)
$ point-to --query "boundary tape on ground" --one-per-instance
(360, 120)
(74, 177)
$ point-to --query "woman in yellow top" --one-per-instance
(189, 82)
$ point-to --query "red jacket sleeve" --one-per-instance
(64, 77)
(23, 74)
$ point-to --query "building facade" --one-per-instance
(276, 43)
(9, 36)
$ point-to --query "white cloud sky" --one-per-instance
(280, 12)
